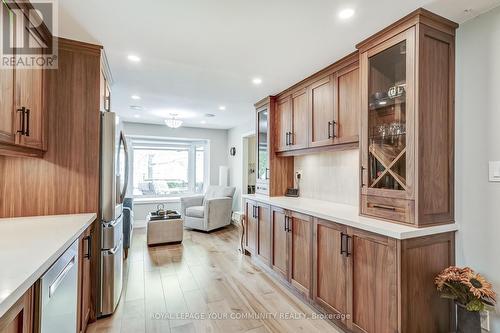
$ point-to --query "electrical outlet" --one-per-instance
(485, 320)
(298, 174)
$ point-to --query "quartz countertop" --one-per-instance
(349, 215)
(29, 246)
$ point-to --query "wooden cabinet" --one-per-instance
(283, 123)
(365, 282)
(345, 127)
(297, 138)
(29, 103)
(84, 280)
(330, 267)
(372, 282)
(322, 112)
(8, 124)
(263, 233)
(251, 226)
(407, 94)
(300, 250)
(257, 238)
(273, 121)
(22, 110)
(19, 318)
(279, 241)
(292, 121)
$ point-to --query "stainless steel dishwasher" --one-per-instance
(58, 294)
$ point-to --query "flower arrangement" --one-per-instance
(466, 288)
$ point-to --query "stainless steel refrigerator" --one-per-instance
(114, 179)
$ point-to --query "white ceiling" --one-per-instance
(200, 54)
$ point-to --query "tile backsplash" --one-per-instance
(330, 176)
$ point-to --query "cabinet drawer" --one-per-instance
(399, 210)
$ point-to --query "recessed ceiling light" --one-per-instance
(203, 122)
(209, 115)
(346, 13)
(257, 81)
(136, 107)
(133, 58)
(222, 107)
(136, 97)
(137, 116)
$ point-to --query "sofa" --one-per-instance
(209, 211)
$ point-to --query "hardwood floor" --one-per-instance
(166, 287)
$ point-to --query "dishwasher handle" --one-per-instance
(53, 287)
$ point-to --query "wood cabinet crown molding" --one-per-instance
(419, 15)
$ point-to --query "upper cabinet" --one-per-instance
(321, 112)
(22, 111)
(407, 123)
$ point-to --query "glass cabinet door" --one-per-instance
(262, 145)
(387, 118)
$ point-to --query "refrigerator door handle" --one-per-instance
(125, 182)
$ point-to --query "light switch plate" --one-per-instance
(494, 171)
(485, 320)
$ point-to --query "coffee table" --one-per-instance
(164, 231)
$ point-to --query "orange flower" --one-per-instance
(478, 285)
(450, 274)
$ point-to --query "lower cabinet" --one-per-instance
(300, 241)
(19, 318)
(372, 282)
(279, 242)
(257, 239)
(364, 282)
(330, 268)
(84, 280)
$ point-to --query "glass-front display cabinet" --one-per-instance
(387, 121)
(407, 123)
(262, 182)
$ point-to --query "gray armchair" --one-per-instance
(210, 211)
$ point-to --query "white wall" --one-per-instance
(477, 201)
(330, 176)
(234, 139)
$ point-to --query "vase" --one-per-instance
(467, 321)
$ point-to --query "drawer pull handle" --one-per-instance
(384, 207)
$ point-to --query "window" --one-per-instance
(168, 168)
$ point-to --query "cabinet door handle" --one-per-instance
(361, 173)
(331, 129)
(348, 245)
(88, 255)
(342, 241)
(391, 208)
(287, 138)
(27, 131)
(267, 173)
(256, 212)
(291, 139)
(290, 224)
(21, 119)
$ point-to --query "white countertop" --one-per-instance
(29, 246)
(349, 215)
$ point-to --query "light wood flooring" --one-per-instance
(205, 275)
